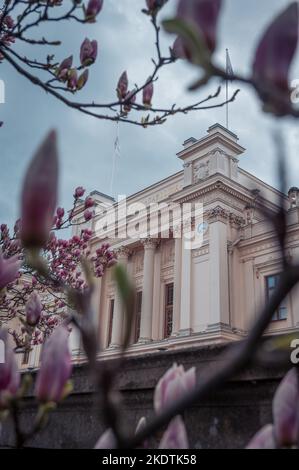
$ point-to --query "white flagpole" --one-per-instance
(116, 153)
(226, 88)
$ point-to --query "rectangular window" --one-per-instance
(271, 285)
(168, 314)
(138, 306)
(26, 356)
(111, 311)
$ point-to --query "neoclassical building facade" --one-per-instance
(210, 293)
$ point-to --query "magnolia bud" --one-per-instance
(33, 309)
(93, 9)
(82, 80)
(39, 194)
(9, 269)
(130, 99)
(9, 373)
(89, 202)
(148, 92)
(55, 368)
(203, 16)
(88, 215)
(274, 57)
(175, 436)
(72, 79)
(60, 212)
(178, 51)
(155, 5)
(64, 67)
(172, 386)
(286, 411)
(88, 52)
(264, 439)
(122, 86)
(79, 192)
(107, 441)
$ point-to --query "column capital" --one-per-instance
(218, 214)
(123, 252)
(150, 243)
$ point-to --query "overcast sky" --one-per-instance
(86, 145)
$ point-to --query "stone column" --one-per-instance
(96, 304)
(147, 291)
(177, 282)
(249, 294)
(219, 283)
(157, 296)
(75, 342)
(118, 313)
(185, 304)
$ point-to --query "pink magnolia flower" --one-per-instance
(122, 86)
(9, 373)
(175, 437)
(39, 194)
(93, 9)
(274, 56)
(33, 309)
(264, 439)
(286, 411)
(88, 52)
(56, 367)
(173, 386)
(9, 269)
(203, 16)
(148, 93)
(106, 441)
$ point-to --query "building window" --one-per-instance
(271, 285)
(168, 314)
(111, 311)
(138, 305)
(26, 356)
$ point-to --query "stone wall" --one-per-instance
(227, 419)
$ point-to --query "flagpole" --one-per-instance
(226, 89)
(116, 144)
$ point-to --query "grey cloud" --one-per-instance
(86, 145)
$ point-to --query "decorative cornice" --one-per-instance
(217, 185)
